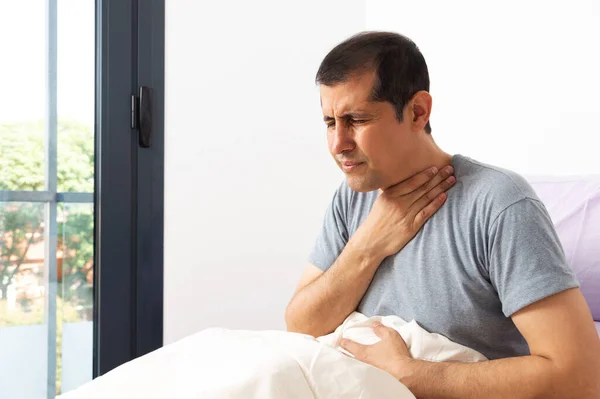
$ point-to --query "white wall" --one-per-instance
(247, 173)
(514, 83)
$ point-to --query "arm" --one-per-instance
(564, 360)
(324, 299)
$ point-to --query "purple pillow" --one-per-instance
(574, 206)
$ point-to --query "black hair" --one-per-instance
(401, 70)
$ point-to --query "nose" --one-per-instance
(340, 139)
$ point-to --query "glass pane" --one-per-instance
(22, 88)
(22, 295)
(75, 308)
(75, 170)
(75, 95)
(23, 334)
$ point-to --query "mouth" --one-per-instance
(350, 166)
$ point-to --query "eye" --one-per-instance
(358, 121)
(330, 125)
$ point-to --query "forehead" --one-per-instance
(354, 92)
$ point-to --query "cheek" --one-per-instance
(375, 145)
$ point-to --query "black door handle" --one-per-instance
(145, 122)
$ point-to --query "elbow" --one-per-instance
(291, 322)
(590, 384)
(289, 319)
(586, 387)
(581, 381)
(586, 376)
(294, 322)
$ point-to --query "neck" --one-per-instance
(432, 155)
(428, 155)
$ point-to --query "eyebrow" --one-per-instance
(348, 115)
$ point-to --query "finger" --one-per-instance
(422, 216)
(412, 183)
(355, 348)
(382, 331)
(432, 194)
(435, 182)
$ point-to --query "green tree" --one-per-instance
(22, 160)
(76, 240)
(22, 157)
(20, 227)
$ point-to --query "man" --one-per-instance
(485, 268)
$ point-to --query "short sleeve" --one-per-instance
(526, 260)
(333, 235)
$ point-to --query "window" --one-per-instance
(80, 200)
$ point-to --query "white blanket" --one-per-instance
(220, 363)
(422, 345)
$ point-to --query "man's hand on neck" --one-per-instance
(436, 158)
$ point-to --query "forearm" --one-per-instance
(518, 377)
(323, 305)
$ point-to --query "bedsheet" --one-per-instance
(422, 344)
(236, 364)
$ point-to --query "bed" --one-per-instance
(276, 364)
(574, 206)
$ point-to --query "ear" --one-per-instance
(420, 110)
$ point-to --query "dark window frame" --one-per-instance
(129, 191)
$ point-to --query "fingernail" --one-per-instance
(376, 324)
(451, 179)
(434, 170)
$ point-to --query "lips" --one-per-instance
(348, 166)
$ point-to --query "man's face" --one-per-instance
(365, 138)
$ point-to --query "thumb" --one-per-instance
(382, 331)
(353, 347)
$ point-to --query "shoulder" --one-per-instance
(342, 197)
(493, 187)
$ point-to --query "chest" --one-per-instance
(442, 270)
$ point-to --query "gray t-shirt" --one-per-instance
(488, 252)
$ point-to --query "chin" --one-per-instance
(361, 184)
